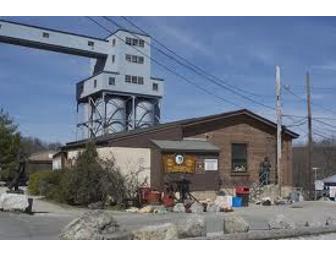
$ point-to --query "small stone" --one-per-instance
(235, 224)
(197, 208)
(96, 205)
(146, 209)
(266, 201)
(132, 210)
(160, 210)
(179, 208)
(167, 231)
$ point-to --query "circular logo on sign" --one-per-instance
(179, 159)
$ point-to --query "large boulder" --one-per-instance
(178, 208)
(14, 202)
(235, 224)
(167, 231)
(94, 225)
(281, 222)
(193, 226)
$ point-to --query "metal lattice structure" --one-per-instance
(120, 94)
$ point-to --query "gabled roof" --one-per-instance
(184, 123)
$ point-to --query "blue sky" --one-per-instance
(38, 87)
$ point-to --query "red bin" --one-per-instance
(244, 193)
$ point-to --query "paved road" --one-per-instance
(50, 218)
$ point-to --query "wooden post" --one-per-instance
(279, 126)
(309, 184)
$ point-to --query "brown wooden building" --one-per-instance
(217, 150)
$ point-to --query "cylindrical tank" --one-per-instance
(98, 116)
(116, 114)
(144, 114)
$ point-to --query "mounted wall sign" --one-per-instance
(179, 163)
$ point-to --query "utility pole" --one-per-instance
(310, 140)
(279, 125)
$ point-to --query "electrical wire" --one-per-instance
(219, 84)
(167, 68)
(191, 66)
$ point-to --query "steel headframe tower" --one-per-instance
(120, 94)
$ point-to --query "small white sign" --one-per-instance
(210, 164)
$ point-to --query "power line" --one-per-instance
(302, 99)
(315, 117)
(201, 73)
(167, 68)
(191, 65)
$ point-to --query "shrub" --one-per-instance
(91, 180)
(44, 183)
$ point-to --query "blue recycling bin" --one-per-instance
(237, 202)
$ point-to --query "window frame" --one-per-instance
(128, 40)
(246, 157)
(155, 86)
(128, 78)
(140, 80)
(45, 35)
(111, 83)
(134, 79)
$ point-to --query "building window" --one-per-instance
(95, 83)
(155, 86)
(111, 81)
(113, 58)
(135, 42)
(90, 43)
(134, 79)
(128, 58)
(45, 35)
(239, 157)
(113, 42)
(127, 78)
(135, 59)
(128, 41)
(140, 60)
